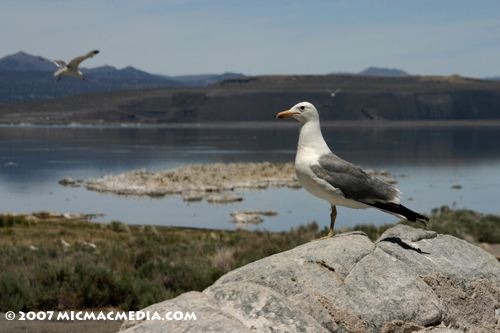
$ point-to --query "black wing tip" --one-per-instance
(416, 217)
(95, 51)
(402, 211)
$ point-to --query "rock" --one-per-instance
(243, 220)
(391, 181)
(90, 244)
(384, 173)
(67, 181)
(491, 248)
(261, 309)
(269, 213)
(250, 217)
(190, 196)
(223, 199)
(467, 310)
(209, 317)
(409, 280)
(427, 252)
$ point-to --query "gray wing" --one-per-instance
(353, 181)
(75, 62)
(59, 63)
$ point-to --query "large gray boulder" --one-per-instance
(410, 280)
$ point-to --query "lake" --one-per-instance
(427, 162)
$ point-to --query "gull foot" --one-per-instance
(330, 235)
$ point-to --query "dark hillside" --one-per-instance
(32, 85)
(260, 98)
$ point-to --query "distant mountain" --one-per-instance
(127, 73)
(26, 77)
(203, 80)
(377, 71)
(386, 72)
(25, 62)
(31, 85)
(492, 78)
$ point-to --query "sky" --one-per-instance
(257, 37)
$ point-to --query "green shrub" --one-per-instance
(117, 226)
(134, 294)
(11, 220)
(149, 229)
(15, 293)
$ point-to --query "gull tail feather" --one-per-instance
(401, 211)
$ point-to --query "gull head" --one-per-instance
(303, 112)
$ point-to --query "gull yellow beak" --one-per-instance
(286, 114)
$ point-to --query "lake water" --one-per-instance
(433, 158)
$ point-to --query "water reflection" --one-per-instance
(434, 158)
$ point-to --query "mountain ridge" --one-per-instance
(25, 77)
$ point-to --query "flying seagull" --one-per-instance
(71, 68)
(339, 182)
(333, 93)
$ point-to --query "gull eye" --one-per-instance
(302, 107)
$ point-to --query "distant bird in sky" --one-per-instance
(329, 177)
(8, 164)
(333, 93)
(71, 68)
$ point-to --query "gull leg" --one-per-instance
(333, 216)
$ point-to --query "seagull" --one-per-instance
(8, 164)
(333, 93)
(71, 68)
(335, 180)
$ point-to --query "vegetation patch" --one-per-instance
(58, 265)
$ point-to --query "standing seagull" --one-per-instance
(329, 177)
(70, 69)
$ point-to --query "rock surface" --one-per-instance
(410, 280)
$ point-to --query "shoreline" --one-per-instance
(330, 124)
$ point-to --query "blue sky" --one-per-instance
(179, 37)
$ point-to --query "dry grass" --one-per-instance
(76, 265)
(131, 267)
